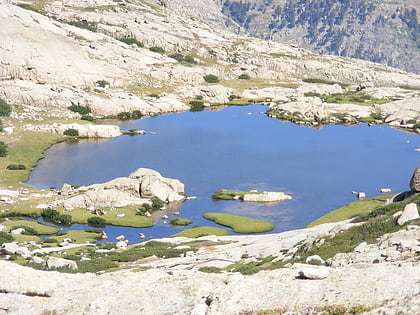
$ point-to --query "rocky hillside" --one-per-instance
(140, 58)
(380, 31)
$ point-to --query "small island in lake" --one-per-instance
(251, 196)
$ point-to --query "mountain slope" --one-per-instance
(387, 32)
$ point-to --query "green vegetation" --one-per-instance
(37, 227)
(324, 310)
(15, 167)
(82, 110)
(71, 132)
(157, 203)
(411, 88)
(196, 105)
(240, 224)
(349, 97)
(77, 236)
(5, 108)
(180, 221)
(158, 50)
(181, 58)
(244, 76)
(131, 41)
(96, 221)
(201, 231)
(3, 149)
(136, 114)
(211, 78)
(56, 217)
(231, 194)
(90, 26)
(102, 83)
(5, 237)
(351, 210)
(321, 81)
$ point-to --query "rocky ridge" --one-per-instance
(104, 73)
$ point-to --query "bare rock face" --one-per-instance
(410, 213)
(54, 262)
(141, 186)
(91, 131)
(415, 181)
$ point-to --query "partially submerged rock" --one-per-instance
(266, 196)
(140, 186)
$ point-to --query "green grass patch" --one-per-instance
(27, 238)
(411, 88)
(322, 81)
(78, 236)
(240, 224)
(40, 228)
(180, 222)
(202, 231)
(353, 98)
(350, 210)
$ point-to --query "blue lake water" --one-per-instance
(241, 149)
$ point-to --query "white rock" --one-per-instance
(410, 212)
(23, 251)
(313, 273)
(120, 238)
(199, 309)
(3, 228)
(17, 231)
(315, 260)
(37, 260)
(9, 248)
(121, 245)
(385, 190)
(54, 262)
(266, 196)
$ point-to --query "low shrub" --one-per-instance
(82, 110)
(71, 132)
(5, 108)
(90, 26)
(6, 237)
(131, 41)
(102, 83)
(158, 50)
(3, 149)
(55, 216)
(14, 167)
(211, 78)
(177, 57)
(96, 221)
(189, 59)
(196, 105)
(87, 117)
(157, 203)
(244, 76)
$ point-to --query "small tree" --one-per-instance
(71, 132)
(197, 105)
(3, 149)
(211, 78)
(157, 203)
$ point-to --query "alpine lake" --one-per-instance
(240, 148)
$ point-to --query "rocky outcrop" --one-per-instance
(138, 188)
(87, 130)
(409, 213)
(415, 181)
(266, 196)
(59, 263)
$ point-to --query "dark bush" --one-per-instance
(96, 221)
(71, 132)
(211, 78)
(82, 110)
(177, 57)
(5, 238)
(50, 240)
(199, 97)
(3, 149)
(5, 109)
(157, 203)
(189, 59)
(159, 50)
(131, 41)
(196, 105)
(90, 26)
(14, 167)
(64, 219)
(87, 117)
(102, 83)
(244, 76)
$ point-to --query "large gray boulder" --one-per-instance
(415, 181)
(141, 186)
(266, 196)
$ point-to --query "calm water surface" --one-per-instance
(239, 148)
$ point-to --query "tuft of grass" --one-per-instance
(180, 221)
(240, 224)
(201, 231)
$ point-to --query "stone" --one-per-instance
(315, 260)
(17, 231)
(120, 238)
(23, 251)
(121, 245)
(410, 212)
(313, 273)
(385, 190)
(67, 190)
(37, 260)
(58, 263)
(415, 181)
(9, 248)
(3, 228)
(266, 196)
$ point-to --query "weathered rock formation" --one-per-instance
(87, 130)
(415, 181)
(138, 188)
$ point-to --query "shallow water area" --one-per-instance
(240, 148)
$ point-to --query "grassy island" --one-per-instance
(231, 194)
(202, 231)
(240, 224)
